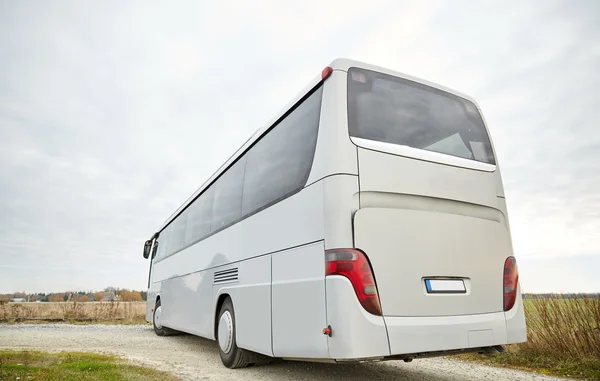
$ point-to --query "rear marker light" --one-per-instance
(353, 264)
(511, 279)
(326, 73)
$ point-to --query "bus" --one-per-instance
(366, 222)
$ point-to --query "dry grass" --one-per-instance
(566, 328)
(120, 312)
(563, 338)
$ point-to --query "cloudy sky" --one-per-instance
(112, 113)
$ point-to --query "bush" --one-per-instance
(563, 338)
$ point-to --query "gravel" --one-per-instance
(194, 358)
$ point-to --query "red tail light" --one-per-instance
(511, 279)
(353, 264)
(326, 73)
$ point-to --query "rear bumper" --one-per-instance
(358, 335)
(443, 333)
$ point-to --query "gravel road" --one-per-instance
(194, 358)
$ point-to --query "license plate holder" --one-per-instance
(445, 286)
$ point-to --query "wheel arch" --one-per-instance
(220, 300)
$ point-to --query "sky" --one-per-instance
(113, 113)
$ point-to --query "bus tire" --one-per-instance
(159, 329)
(231, 355)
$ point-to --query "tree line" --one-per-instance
(107, 294)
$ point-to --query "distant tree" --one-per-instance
(83, 298)
(130, 296)
(114, 290)
(144, 295)
(124, 296)
(98, 296)
(55, 298)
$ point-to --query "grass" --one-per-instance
(34, 321)
(563, 339)
(74, 312)
(25, 365)
(583, 368)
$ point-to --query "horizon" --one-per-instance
(117, 289)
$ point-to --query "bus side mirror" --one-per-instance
(147, 247)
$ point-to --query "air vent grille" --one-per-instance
(226, 276)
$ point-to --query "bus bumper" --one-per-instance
(443, 333)
(360, 336)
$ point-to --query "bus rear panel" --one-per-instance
(431, 241)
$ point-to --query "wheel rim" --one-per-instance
(226, 332)
(157, 316)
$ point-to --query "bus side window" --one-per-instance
(279, 164)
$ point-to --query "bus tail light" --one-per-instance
(511, 279)
(353, 264)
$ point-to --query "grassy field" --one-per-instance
(563, 338)
(23, 365)
(115, 312)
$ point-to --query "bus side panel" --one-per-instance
(298, 305)
(295, 221)
(340, 201)
(251, 297)
(184, 300)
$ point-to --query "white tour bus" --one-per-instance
(366, 222)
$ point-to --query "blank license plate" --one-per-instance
(445, 286)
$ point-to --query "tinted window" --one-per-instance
(177, 237)
(398, 111)
(279, 164)
(163, 243)
(227, 204)
(275, 167)
(199, 216)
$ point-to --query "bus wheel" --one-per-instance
(157, 321)
(231, 355)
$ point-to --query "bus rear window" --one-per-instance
(398, 111)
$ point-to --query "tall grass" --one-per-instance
(563, 328)
(90, 311)
(563, 338)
